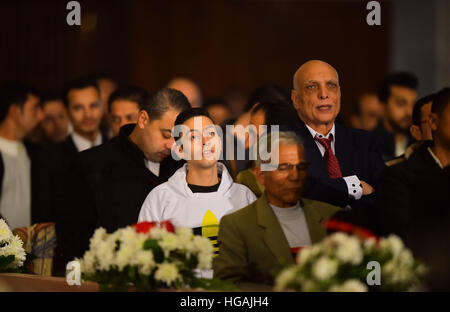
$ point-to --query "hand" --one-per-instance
(367, 188)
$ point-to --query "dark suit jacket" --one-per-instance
(397, 187)
(386, 141)
(110, 183)
(252, 244)
(358, 154)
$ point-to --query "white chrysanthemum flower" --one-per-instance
(350, 251)
(167, 273)
(158, 233)
(369, 244)
(352, 285)
(405, 258)
(184, 235)
(395, 244)
(205, 260)
(324, 268)
(87, 264)
(106, 253)
(17, 250)
(203, 244)
(145, 261)
(124, 256)
(169, 242)
(285, 278)
(5, 232)
(304, 256)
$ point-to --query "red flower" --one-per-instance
(168, 226)
(144, 227)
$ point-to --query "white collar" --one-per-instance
(83, 144)
(435, 158)
(320, 135)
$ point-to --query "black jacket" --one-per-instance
(358, 154)
(386, 141)
(397, 187)
(108, 185)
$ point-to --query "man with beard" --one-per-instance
(109, 183)
(398, 94)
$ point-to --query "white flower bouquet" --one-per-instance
(147, 257)
(348, 263)
(12, 254)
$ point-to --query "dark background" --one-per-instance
(216, 43)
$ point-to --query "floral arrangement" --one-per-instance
(148, 256)
(340, 264)
(12, 254)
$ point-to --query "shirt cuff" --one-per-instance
(354, 187)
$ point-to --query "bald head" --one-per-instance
(310, 67)
(316, 95)
(188, 88)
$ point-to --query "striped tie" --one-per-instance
(334, 170)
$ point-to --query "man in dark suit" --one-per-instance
(345, 162)
(402, 185)
(82, 100)
(110, 182)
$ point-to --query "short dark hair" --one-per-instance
(262, 106)
(13, 93)
(268, 93)
(79, 83)
(417, 110)
(130, 93)
(163, 100)
(402, 79)
(440, 101)
(188, 114)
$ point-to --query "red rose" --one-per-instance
(168, 226)
(144, 227)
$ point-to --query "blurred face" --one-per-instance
(56, 121)
(399, 107)
(284, 187)
(371, 111)
(85, 110)
(441, 128)
(201, 144)
(123, 112)
(189, 89)
(157, 135)
(317, 95)
(29, 115)
(219, 114)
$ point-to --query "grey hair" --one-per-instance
(276, 139)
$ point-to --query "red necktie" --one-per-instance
(334, 171)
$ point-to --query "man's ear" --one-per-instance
(294, 98)
(416, 132)
(143, 119)
(259, 175)
(433, 121)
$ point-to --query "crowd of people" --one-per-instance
(105, 155)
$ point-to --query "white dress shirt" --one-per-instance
(83, 144)
(353, 183)
(153, 167)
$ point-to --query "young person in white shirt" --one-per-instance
(200, 193)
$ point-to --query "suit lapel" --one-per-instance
(273, 234)
(314, 221)
(343, 149)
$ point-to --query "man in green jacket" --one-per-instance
(257, 241)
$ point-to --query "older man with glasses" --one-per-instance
(258, 240)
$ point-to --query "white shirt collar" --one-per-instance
(320, 135)
(12, 148)
(435, 158)
(152, 166)
(83, 144)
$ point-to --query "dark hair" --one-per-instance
(188, 114)
(262, 106)
(417, 110)
(440, 101)
(163, 100)
(214, 102)
(402, 79)
(284, 115)
(100, 76)
(79, 83)
(130, 93)
(13, 93)
(268, 93)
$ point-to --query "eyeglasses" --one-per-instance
(288, 166)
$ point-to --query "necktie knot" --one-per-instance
(331, 161)
(325, 142)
